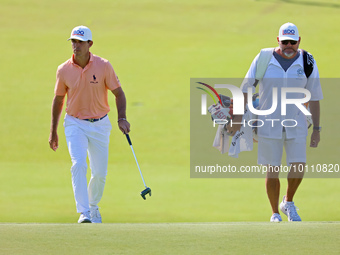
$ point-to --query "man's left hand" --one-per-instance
(315, 139)
(124, 126)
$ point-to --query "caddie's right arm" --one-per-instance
(57, 107)
(235, 125)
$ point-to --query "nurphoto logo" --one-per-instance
(238, 106)
(238, 100)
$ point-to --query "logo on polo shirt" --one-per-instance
(78, 32)
(94, 79)
(288, 32)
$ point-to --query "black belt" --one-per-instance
(94, 120)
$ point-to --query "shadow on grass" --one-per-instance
(308, 3)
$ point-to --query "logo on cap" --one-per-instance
(288, 32)
(78, 32)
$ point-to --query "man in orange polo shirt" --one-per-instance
(86, 78)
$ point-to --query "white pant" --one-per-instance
(93, 138)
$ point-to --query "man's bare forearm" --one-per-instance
(120, 102)
(314, 107)
(57, 107)
(123, 124)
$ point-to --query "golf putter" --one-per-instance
(147, 190)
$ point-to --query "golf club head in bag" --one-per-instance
(147, 190)
(226, 101)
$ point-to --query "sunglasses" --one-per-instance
(285, 42)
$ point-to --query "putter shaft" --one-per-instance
(138, 166)
(133, 152)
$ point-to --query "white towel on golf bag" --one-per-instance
(221, 141)
(241, 141)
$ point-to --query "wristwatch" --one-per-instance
(317, 129)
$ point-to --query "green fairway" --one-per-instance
(155, 47)
(187, 238)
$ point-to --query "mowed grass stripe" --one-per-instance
(171, 238)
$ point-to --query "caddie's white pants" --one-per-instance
(92, 138)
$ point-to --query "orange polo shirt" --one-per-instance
(86, 89)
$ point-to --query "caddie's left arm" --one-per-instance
(123, 124)
(314, 107)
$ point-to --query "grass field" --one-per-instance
(155, 48)
(171, 238)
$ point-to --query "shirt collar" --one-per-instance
(91, 59)
(298, 61)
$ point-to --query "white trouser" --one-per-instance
(93, 138)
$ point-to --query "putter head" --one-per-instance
(145, 192)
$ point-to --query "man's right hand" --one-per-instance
(53, 141)
(236, 127)
(57, 107)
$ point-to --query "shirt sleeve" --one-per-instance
(111, 79)
(314, 85)
(60, 88)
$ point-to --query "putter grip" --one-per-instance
(128, 138)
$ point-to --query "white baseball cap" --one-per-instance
(81, 33)
(288, 31)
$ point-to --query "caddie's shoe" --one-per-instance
(289, 209)
(95, 215)
(276, 218)
(85, 217)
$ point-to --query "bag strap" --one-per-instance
(308, 63)
(266, 55)
(262, 63)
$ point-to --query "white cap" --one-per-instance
(81, 33)
(288, 31)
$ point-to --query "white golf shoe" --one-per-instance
(276, 218)
(289, 209)
(95, 215)
(85, 217)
